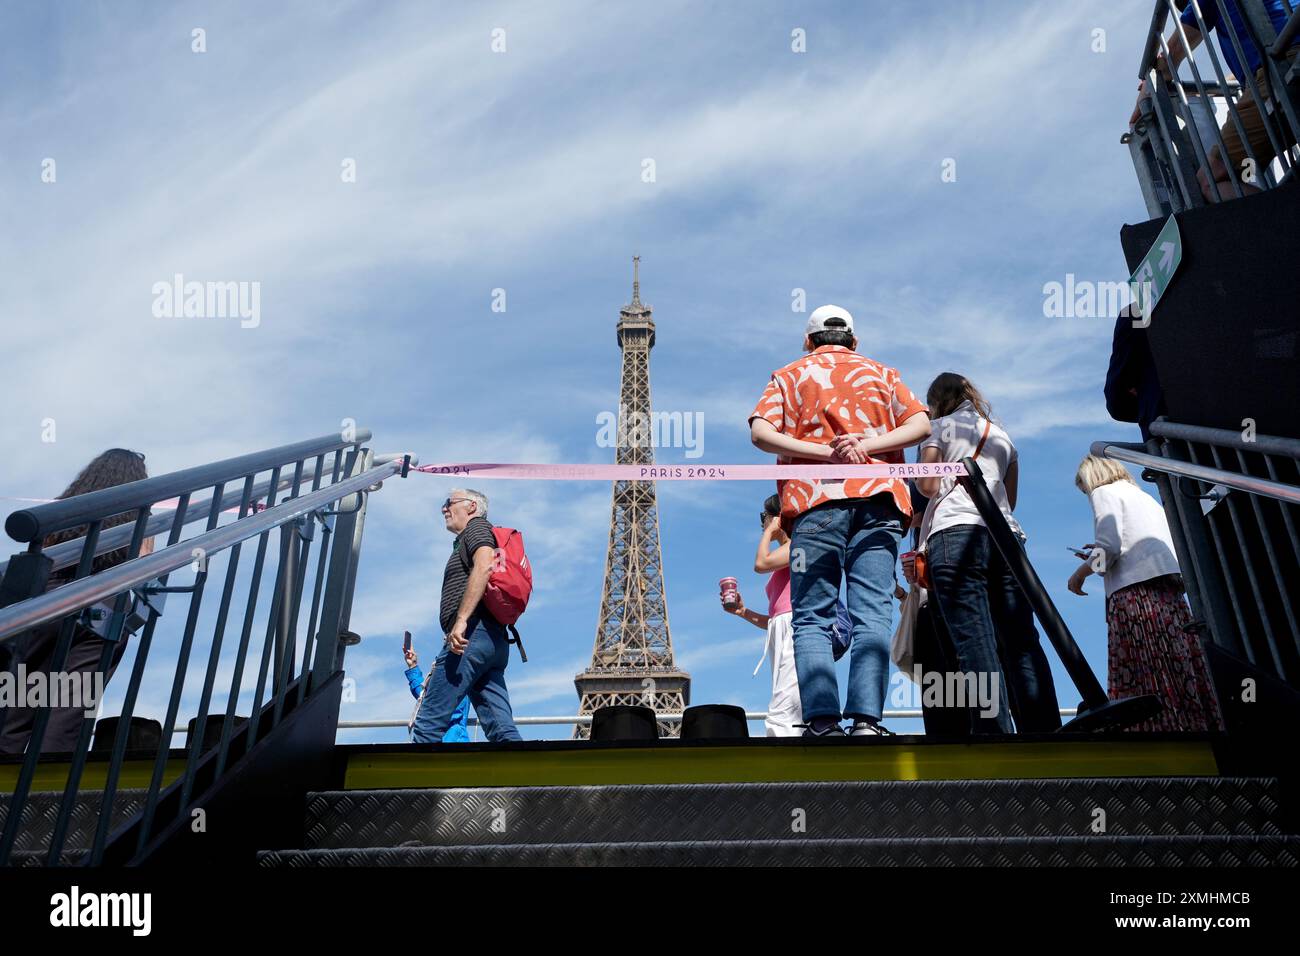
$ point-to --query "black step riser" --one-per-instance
(775, 811)
(1181, 851)
(41, 812)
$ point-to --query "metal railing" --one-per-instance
(1233, 504)
(327, 479)
(584, 720)
(1177, 128)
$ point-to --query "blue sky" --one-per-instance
(522, 170)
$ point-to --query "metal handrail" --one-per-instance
(1227, 438)
(76, 595)
(1286, 35)
(585, 719)
(1158, 17)
(35, 523)
(1215, 476)
(67, 553)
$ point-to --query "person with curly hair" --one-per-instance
(117, 466)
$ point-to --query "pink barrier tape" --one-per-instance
(533, 472)
(941, 469)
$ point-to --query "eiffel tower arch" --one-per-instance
(632, 660)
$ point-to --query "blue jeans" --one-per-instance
(856, 538)
(992, 628)
(480, 674)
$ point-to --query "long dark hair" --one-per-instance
(949, 390)
(117, 466)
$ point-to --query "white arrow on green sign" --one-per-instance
(1152, 276)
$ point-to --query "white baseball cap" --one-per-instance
(817, 322)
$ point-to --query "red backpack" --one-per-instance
(511, 582)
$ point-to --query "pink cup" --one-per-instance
(730, 591)
(908, 559)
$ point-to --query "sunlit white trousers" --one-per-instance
(783, 710)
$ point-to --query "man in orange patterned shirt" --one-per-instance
(834, 405)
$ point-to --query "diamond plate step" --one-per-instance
(42, 810)
(758, 811)
(1164, 851)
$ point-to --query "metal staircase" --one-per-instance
(114, 805)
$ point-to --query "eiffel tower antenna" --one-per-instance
(632, 660)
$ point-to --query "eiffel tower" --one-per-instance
(632, 661)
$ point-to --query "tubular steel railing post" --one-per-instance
(1145, 167)
(1180, 163)
(245, 635)
(1249, 78)
(1204, 587)
(25, 576)
(309, 636)
(1266, 39)
(268, 643)
(335, 601)
(58, 661)
(128, 703)
(1222, 550)
(178, 686)
(1272, 552)
(1202, 154)
(284, 620)
(1233, 112)
(354, 559)
(1252, 577)
(299, 552)
(214, 654)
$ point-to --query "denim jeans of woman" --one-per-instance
(991, 625)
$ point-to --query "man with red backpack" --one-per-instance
(485, 587)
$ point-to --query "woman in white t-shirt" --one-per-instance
(1152, 647)
(986, 614)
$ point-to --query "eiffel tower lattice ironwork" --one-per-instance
(632, 661)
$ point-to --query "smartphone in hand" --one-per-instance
(406, 640)
(1078, 553)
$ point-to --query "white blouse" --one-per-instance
(1130, 531)
(956, 436)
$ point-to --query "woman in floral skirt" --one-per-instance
(1153, 646)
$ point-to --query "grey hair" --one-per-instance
(479, 499)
